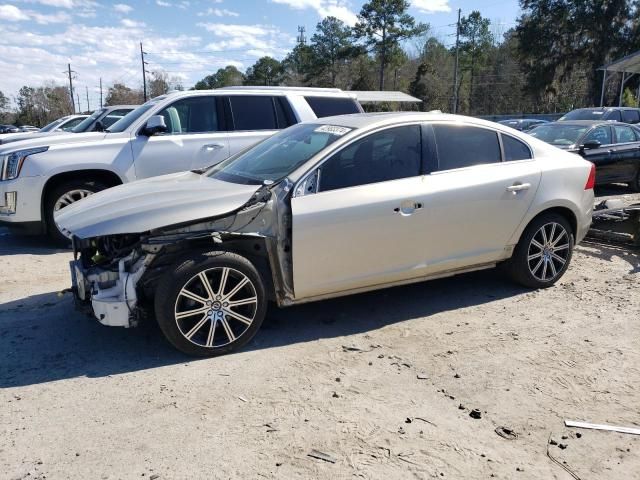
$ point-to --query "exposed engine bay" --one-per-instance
(114, 276)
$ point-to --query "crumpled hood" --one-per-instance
(152, 203)
(45, 140)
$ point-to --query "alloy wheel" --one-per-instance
(216, 307)
(548, 252)
(70, 197)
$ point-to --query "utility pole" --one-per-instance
(88, 107)
(100, 92)
(79, 107)
(73, 104)
(455, 73)
(144, 75)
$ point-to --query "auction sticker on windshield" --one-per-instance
(333, 130)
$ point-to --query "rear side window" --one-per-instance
(614, 115)
(624, 134)
(514, 149)
(328, 107)
(462, 146)
(630, 116)
(253, 112)
(599, 134)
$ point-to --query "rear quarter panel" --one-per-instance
(564, 176)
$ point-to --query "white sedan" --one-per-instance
(326, 208)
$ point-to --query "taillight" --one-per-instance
(591, 181)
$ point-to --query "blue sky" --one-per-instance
(185, 38)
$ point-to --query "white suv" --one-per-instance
(171, 133)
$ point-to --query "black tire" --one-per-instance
(520, 268)
(58, 192)
(185, 273)
(635, 184)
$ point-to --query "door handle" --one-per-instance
(518, 187)
(407, 208)
(213, 146)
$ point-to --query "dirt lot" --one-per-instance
(383, 382)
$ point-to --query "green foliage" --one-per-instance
(382, 24)
(39, 106)
(331, 46)
(120, 94)
(224, 77)
(629, 99)
(265, 72)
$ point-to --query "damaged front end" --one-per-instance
(115, 276)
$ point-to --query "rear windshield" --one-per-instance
(559, 134)
(329, 106)
(585, 114)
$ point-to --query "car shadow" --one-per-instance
(12, 244)
(610, 251)
(43, 339)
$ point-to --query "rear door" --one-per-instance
(626, 154)
(196, 137)
(475, 201)
(252, 118)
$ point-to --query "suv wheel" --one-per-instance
(211, 303)
(635, 184)
(543, 253)
(62, 196)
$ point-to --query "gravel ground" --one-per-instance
(382, 383)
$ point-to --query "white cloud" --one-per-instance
(218, 12)
(122, 8)
(162, 3)
(127, 22)
(12, 13)
(254, 40)
(431, 6)
(325, 8)
(65, 3)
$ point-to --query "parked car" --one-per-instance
(522, 124)
(322, 209)
(175, 132)
(61, 125)
(8, 129)
(613, 147)
(103, 118)
(28, 128)
(614, 114)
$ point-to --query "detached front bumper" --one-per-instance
(112, 294)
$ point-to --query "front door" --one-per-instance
(363, 226)
(193, 139)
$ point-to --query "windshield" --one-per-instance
(558, 134)
(52, 125)
(84, 125)
(124, 123)
(584, 114)
(277, 156)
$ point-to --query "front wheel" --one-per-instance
(211, 303)
(635, 184)
(543, 253)
(62, 196)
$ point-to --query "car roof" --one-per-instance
(116, 107)
(257, 90)
(588, 123)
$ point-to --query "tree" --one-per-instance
(158, 84)
(476, 42)
(266, 71)
(120, 94)
(557, 38)
(331, 46)
(224, 77)
(382, 24)
(432, 81)
(298, 66)
(4, 108)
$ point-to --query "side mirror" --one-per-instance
(99, 126)
(590, 145)
(154, 125)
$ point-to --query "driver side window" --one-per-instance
(390, 154)
(191, 115)
(600, 134)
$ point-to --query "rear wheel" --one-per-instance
(62, 196)
(211, 303)
(635, 184)
(543, 253)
